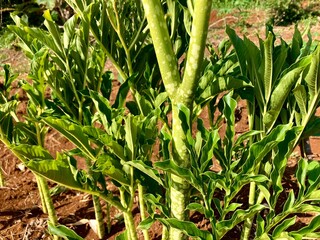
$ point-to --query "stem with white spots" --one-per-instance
(167, 60)
(179, 91)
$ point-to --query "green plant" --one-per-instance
(117, 138)
(287, 12)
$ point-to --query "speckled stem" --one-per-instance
(43, 185)
(199, 31)
(167, 60)
(180, 92)
(99, 216)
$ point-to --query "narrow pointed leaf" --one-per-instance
(73, 132)
(63, 231)
(283, 226)
(282, 90)
(301, 98)
(238, 216)
(146, 169)
(187, 228)
(258, 150)
(268, 65)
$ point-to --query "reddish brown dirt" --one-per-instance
(21, 216)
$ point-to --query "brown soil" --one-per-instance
(21, 216)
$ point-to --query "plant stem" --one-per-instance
(108, 217)
(43, 187)
(43, 203)
(142, 209)
(166, 58)
(248, 222)
(128, 218)
(180, 188)
(99, 216)
(1, 178)
(165, 233)
(179, 92)
(130, 225)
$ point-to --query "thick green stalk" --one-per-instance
(43, 202)
(142, 209)
(167, 60)
(99, 216)
(180, 188)
(179, 92)
(129, 222)
(43, 187)
(128, 218)
(248, 222)
(97, 208)
(108, 217)
(199, 31)
(44, 191)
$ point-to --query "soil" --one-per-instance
(21, 216)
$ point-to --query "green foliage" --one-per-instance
(117, 137)
(286, 12)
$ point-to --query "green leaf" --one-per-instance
(245, 136)
(280, 163)
(260, 226)
(151, 172)
(32, 152)
(312, 128)
(289, 202)
(238, 216)
(228, 111)
(188, 228)
(303, 208)
(73, 132)
(301, 98)
(113, 145)
(219, 85)
(53, 30)
(69, 31)
(196, 207)
(122, 94)
(146, 223)
(63, 231)
(297, 43)
(185, 117)
(280, 57)
(131, 130)
(240, 49)
(268, 65)
(103, 107)
(157, 203)
(206, 153)
(281, 91)
(171, 167)
(283, 226)
(59, 171)
(301, 175)
(313, 76)
(160, 99)
(123, 236)
(258, 150)
(314, 195)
